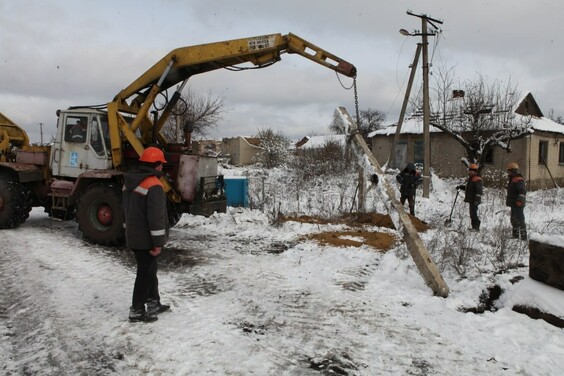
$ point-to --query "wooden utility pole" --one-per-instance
(366, 160)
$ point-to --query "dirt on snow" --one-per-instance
(360, 234)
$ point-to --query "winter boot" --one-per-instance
(154, 307)
(140, 315)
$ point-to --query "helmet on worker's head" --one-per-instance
(152, 155)
(512, 166)
(473, 167)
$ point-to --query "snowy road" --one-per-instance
(246, 299)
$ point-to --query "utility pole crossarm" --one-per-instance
(427, 268)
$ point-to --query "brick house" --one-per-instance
(540, 154)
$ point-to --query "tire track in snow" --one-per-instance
(55, 306)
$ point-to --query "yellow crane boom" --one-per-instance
(182, 63)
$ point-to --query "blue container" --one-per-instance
(237, 191)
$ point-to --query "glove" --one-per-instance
(374, 179)
(460, 187)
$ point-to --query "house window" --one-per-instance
(543, 152)
(561, 153)
(488, 158)
(418, 151)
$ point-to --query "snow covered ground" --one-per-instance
(249, 298)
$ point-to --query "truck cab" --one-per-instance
(82, 143)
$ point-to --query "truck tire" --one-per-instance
(14, 204)
(100, 215)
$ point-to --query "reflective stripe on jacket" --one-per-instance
(516, 191)
(146, 219)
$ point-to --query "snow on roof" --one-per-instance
(546, 125)
(412, 125)
(320, 141)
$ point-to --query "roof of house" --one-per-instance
(413, 125)
(525, 106)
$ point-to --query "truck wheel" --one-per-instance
(14, 204)
(100, 215)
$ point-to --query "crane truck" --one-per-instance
(80, 175)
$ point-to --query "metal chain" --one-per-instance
(356, 103)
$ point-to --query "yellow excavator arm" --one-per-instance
(188, 61)
(11, 135)
(182, 63)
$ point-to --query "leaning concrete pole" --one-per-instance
(419, 253)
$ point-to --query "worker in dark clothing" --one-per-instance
(516, 198)
(473, 195)
(78, 131)
(146, 231)
(409, 179)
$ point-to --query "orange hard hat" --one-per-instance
(473, 167)
(512, 166)
(152, 155)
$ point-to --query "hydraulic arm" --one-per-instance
(182, 63)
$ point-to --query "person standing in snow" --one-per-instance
(516, 198)
(473, 191)
(146, 231)
(409, 180)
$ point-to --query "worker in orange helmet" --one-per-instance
(473, 195)
(516, 198)
(146, 231)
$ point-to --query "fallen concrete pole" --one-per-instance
(427, 268)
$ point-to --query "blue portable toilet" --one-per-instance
(236, 191)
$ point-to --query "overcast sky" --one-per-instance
(56, 54)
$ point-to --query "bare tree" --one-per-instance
(556, 118)
(195, 113)
(275, 148)
(370, 120)
(481, 117)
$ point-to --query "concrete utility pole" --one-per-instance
(392, 158)
(41, 132)
(366, 160)
(425, 20)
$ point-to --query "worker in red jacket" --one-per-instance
(473, 195)
(146, 231)
(516, 198)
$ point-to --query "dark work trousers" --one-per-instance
(410, 201)
(474, 216)
(518, 222)
(146, 282)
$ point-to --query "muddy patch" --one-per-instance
(378, 240)
(356, 238)
(487, 300)
(357, 220)
(177, 258)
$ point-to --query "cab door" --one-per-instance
(82, 147)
